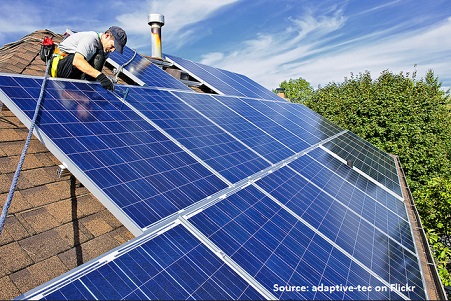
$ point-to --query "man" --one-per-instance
(83, 54)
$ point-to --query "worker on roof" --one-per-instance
(83, 54)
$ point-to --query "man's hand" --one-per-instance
(105, 82)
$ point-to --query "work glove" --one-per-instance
(105, 82)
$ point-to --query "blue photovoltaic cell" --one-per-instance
(173, 265)
(299, 119)
(146, 175)
(147, 72)
(331, 168)
(288, 121)
(371, 160)
(256, 138)
(268, 123)
(225, 154)
(223, 81)
(277, 249)
(354, 226)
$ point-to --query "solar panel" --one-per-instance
(217, 148)
(171, 265)
(137, 172)
(143, 71)
(299, 243)
(233, 197)
(223, 81)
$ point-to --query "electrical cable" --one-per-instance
(119, 70)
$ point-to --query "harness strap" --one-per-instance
(58, 55)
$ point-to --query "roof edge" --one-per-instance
(433, 283)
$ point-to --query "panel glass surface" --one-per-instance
(235, 124)
(173, 265)
(299, 119)
(135, 166)
(224, 81)
(277, 250)
(369, 159)
(322, 168)
(268, 123)
(144, 70)
(304, 124)
(354, 224)
(231, 158)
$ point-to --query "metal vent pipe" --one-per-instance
(156, 21)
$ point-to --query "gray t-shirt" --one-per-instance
(85, 42)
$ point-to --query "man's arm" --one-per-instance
(81, 64)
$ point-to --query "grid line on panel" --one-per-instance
(269, 126)
(220, 150)
(371, 160)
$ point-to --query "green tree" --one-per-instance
(433, 201)
(442, 256)
(297, 90)
(397, 113)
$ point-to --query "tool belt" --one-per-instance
(58, 55)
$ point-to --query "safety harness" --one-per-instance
(58, 56)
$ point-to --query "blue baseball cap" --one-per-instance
(120, 37)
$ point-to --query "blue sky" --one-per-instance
(269, 41)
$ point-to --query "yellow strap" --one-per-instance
(55, 61)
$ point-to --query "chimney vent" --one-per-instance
(156, 21)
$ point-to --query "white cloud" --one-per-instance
(18, 17)
(272, 58)
(178, 17)
(268, 58)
